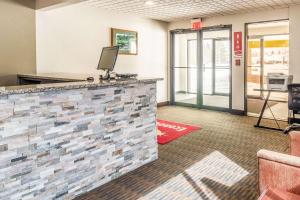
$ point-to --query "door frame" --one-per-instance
(199, 103)
(246, 57)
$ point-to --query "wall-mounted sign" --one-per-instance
(238, 44)
(196, 24)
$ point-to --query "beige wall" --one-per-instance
(295, 42)
(17, 39)
(238, 24)
(70, 39)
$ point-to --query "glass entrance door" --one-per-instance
(201, 69)
(208, 67)
(216, 81)
(222, 67)
(185, 68)
(192, 66)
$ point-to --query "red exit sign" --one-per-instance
(196, 24)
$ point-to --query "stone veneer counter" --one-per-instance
(60, 140)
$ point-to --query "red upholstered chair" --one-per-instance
(279, 174)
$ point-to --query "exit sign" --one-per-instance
(196, 24)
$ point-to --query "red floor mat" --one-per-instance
(169, 131)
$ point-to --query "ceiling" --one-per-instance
(51, 4)
(172, 10)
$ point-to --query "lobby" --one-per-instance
(67, 131)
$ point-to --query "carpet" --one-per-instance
(168, 131)
(255, 105)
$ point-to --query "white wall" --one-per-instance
(70, 39)
(238, 24)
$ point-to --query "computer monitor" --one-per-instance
(108, 58)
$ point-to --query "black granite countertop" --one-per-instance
(58, 76)
(69, 81)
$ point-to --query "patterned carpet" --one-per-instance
(217, 162)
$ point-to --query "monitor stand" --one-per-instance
(106, 76)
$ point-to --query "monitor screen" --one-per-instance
(108, 58)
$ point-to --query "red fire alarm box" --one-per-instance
(238, 62)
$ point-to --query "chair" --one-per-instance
(294, 107)
(279, 174)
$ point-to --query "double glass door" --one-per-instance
(201, 68)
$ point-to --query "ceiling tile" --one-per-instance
(172, 10)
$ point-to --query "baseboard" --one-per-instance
(238, 112)
(165, 103)
(233, 111)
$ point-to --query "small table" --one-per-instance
(264, 108)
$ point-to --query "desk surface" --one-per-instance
(266, 90)
(79, 82)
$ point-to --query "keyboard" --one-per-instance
(126, 75)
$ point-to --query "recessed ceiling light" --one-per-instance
(149, 3)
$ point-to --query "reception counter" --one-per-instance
(66, 137)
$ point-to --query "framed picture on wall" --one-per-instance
(126, 40)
